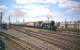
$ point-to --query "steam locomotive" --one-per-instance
(50, 25)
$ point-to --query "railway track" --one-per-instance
(19, 42)
(61, 40)
(27, 42)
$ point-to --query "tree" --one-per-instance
(39, 23)
(52, 25)
(34, 24)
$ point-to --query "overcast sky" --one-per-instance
(34, 10)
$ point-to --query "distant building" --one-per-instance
(69, 25)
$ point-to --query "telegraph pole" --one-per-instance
(9, 22)
(1, 14)
(65, 24)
